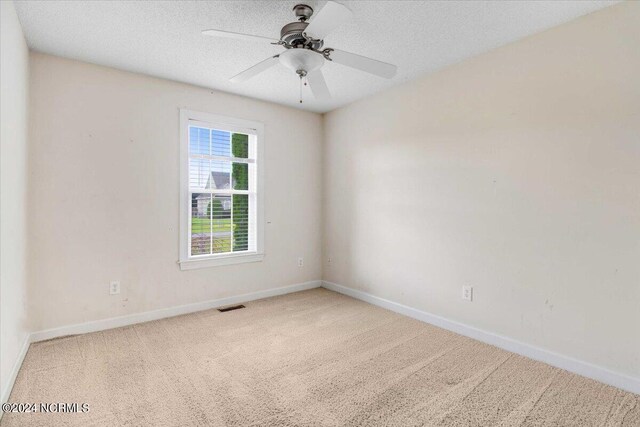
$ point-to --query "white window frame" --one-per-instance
(231, 124)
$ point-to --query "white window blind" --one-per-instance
(221, 191)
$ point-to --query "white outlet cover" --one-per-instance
(300, 262)
(114, 288)
(467, 293)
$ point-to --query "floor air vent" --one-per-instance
(232, 307)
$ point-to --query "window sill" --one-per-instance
(195, 263)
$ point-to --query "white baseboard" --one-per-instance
(131, 319)
(14, 371)
(570, 364)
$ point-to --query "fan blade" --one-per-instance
(255, 70)
(318, 85)
(363, 63)
(330, 17)
(239, 36)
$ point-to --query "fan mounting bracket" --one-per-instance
(303, 12)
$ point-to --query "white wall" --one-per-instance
(517, 172)
(14, 82)
(104, 194)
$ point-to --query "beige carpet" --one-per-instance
(306, 359)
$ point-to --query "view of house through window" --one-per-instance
(222, 191)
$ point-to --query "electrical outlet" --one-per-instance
(300, 261)
(329, 260)
(467, 293)
(114, 288)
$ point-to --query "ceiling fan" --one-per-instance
(304, 53)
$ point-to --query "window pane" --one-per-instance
(240, 176)
(220, 176)
(201, 224)
(240, 222)
(221, 219)
(221, 143)
(199, 140)
(240, 147)
(209, 174)
(199, 172)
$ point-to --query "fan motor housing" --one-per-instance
(291, 34)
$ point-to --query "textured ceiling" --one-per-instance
(162, 38)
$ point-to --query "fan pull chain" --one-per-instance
(302, 74)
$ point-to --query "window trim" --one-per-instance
(229, 124)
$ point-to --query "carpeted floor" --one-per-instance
(306, 359)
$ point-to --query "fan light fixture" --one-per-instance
(301, 60)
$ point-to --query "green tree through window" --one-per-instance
(240, 176)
